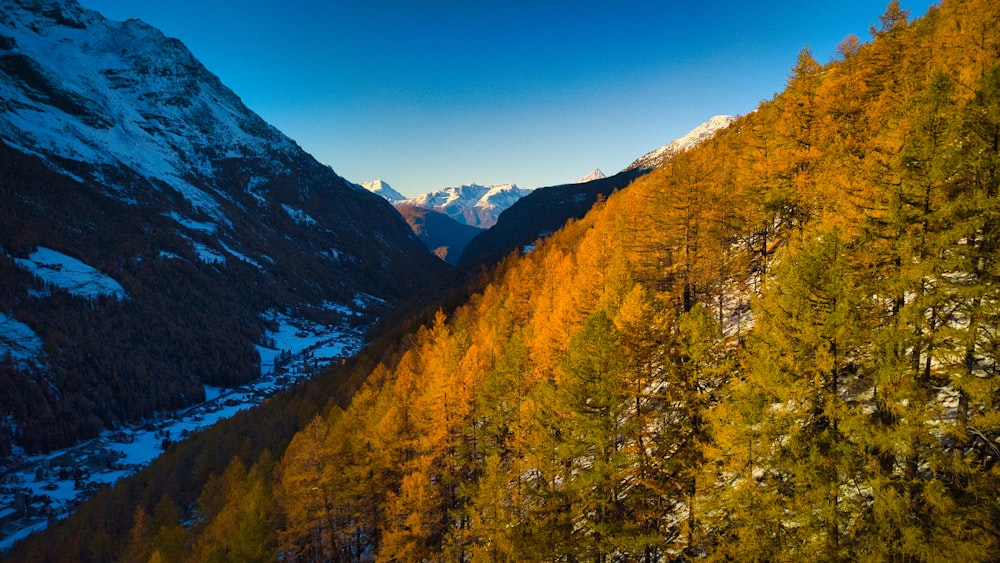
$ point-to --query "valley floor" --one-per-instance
(35, 489)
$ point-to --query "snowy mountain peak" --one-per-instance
(596, 174)
(700, 133)
(470, 204)
(77, 87)
(380, 188)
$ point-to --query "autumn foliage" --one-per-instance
(782, 345)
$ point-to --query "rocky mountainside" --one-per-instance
(119, 151)
(442, 235)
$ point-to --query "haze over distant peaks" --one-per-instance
(378, 187)
(700, 133)
(596, 174)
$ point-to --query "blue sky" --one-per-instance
(440, 93)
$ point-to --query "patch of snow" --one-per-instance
(241, 256)
(297, 336)
(206, 254)
(299, 216)
(200, 226)
(213, 393)
(70, 274)
(18, 340)
(339, 308)
(364, 301)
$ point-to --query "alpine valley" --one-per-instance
(154, 231)
(775, 339)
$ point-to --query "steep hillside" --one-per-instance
(442, 235)
(773, 347)
(780, 346)
(124, 159)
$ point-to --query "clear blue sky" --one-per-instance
(440, 93)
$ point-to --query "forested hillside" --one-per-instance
(780, 346)
(120, 151)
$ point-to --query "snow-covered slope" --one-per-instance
(129, 112)
(596, 174)
(70, 274)
(151, 224)
(383, 189)
(470, 204)
(77, 87)
(704, 131)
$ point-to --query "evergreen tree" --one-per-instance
(792, 418)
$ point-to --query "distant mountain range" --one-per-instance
(512, 220)
(446, 220)
(470, 204)
(189, 221)
(546, 210)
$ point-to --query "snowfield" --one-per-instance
(71, 274)
(18, 340)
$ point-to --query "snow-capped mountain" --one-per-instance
(123, 160)
(596, 174)
(470, 204)
(383, 189)
(80, 88)
(704, 131)
(547, 209)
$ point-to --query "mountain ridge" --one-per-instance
(547, 209)
(658, 156)
(475, 205)
(120, 151)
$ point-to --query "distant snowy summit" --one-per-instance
(380, 188)
(595, 175)
(700, 133)
(469, 204)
